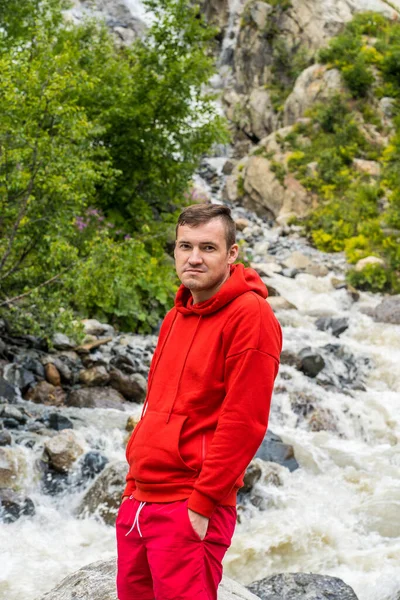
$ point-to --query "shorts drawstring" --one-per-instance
(136, 520)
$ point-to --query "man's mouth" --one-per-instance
(192, 271)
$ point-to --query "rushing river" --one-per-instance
(338, 514)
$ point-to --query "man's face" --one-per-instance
(202, 259)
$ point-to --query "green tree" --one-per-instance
(97, 147)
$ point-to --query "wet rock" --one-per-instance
(46, 393)
(94, 376)
(11, 412)
(274, 450)
(97, 582)
(302, 404)
(311, 362)
(340, 284)
(5, 437)
(63, 450)
(337, 326)
(30, 363)
(92, 464)
(314, 84)
(369, 260)
(388, 311)
(63, 342)
(279, 303)
(59, 422)
(96, 397)
(302, 586)
(52, 374)
(11, 423)
(13, 506)
(322, 420)
(290, 358)
(131, 424)
(132, 387)
(20, 377)
(252, 475)
(290, 272)
(52, 482)
(12, 467)
(104, 495)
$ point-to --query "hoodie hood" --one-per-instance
(241, 280)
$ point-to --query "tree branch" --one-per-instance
(16, 298)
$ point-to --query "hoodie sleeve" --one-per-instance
(253, 341)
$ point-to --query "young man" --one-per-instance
(205, 415)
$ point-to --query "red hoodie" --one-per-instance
(209, 393)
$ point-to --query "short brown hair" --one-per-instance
(198, 214)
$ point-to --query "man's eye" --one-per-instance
(184, 246)
(209, 247)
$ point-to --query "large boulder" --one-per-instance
(267, 195)
(97, 582)
(104, 495)
(302, 586)
(12, 467)
(388, 311)
(315, 84)
(46, 393)
(96, 397)
(63, 450)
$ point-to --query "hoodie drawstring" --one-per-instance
(136, 520)
(183, 368)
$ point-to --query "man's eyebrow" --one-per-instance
(202, 243)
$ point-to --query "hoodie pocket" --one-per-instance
(154, 453)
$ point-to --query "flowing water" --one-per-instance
(338, 514)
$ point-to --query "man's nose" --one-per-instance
(195, 257)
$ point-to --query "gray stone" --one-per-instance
(132, 387)
(96, 397)
(302, 586)
(280, 303)
(388, 311)
(103, 497)
(337, 326)
(311, 362)
(7, 392)
(97, 582)
(63, 342)
(273, 449)
(13, 506)
(11, 412)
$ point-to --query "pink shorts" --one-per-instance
(161, 557)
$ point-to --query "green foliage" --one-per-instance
(279, 170)
(374, 278)
(97, 147)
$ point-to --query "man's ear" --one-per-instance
(233, 253)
